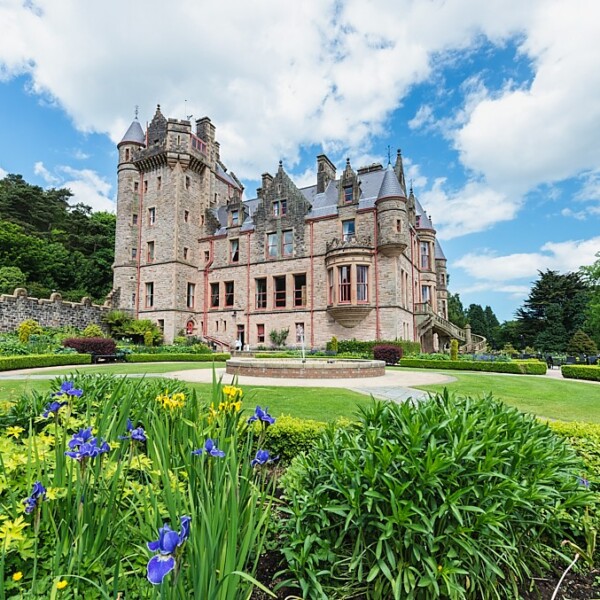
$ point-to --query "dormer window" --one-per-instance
(348, 230)
(235, 218)
(348, 194)
(279, 208)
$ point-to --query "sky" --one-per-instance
(495, 106)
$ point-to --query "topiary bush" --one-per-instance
(446, 498)
(91, 345)
(93, 331)
(27, 328)
(454, 350)
(391, 355)
(589, 372)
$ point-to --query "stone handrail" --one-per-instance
(424, 308)
(352, 242)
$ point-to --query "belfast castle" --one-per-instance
(352, 256)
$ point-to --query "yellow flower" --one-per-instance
(12, 531)
(171, 401)
(62, 584)
(231, 392)
(17, 576)
(440, 568)
(15, 431)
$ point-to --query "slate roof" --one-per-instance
(134, 135)
(439, 253)
(390, 186)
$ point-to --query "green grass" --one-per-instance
(545, 397)
(130, 368)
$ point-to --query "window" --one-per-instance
(187, 182)
(158, 182)
(347, 230)
(234, 251)
(425, 262)
(418, 220)
(150, 294)
(214, 295)
(425, 293)
(151, 216)
(279, 208)
(136, 186)
(287, 246)
(260, 333)
(261, 293)
(399, 225)
(235, 218)
(348, 194)
(272, 244)
(299, 333)
(126, 153)
(344, 283)
(161, 325)
(201, 220)
(145, 186)
(362, 283)
(190, 296)
(229, 287)
(134, 253)
(186, 215)
(279, 291)
(134, 219)
(150, 254)
(186, 253)
(206, 255)
(330, 286)
(300, 289)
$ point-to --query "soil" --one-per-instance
(575, 586)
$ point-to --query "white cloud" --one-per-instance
(564, 257)
(88, 188)
(40, 170)
(3, 173)
(423, 117)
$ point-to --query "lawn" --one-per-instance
(130, 368)
(552, 398)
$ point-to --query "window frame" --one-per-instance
(149, 295)
(152, 216)
(362, 287)
(260, 296)
(190, 295)
(234, 255)
(348, 235)
(215, 299)
(229, 293)
(344, 286)
(279, 295)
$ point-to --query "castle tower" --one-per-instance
(392, 222)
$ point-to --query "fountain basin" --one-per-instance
(312, 368)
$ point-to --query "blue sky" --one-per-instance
(496, 106)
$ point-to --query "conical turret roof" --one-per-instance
(390, 186)
(134, 135)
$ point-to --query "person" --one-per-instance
(550, 362)
(238, 345)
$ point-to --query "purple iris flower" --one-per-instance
(68, 388)
(262, 415)
(83, 445)
(52, 407)
(136, 434)
(262, 458)
(210, 448)
(166, 545)
(38, 494)
(584, 482)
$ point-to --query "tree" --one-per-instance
(567, 294)
(509, 334)
(456, 311)
(492, 327)
(476, 319)
(581, 343)
(591, 275)
(553, 337)
(11, 278)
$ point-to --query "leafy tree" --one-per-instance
(11, 278)
(492, 327)
(591, 275)
(581, 343)
(509, 334)
(476, 318)
(567, 294)
(456, 311)
(552, 337)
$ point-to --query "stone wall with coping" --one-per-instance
(48, 312)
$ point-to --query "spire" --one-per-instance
(399, 170)
(390, 187)
(135, 134)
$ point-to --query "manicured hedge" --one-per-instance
(524, 367)
(585, 440)
(32, 361)
(367, 347)
(139, 358)
(92, 345)
(591, 373)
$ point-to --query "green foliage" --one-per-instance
(332, 345)
(518, 367)
(585, 439)
(366, 348)
(93, 330)
(591, 275)
(454, 350)
(46, 360)
(447, 498)
(122, 325)
(27, 328)
(291, 436)
(278, 336)
(589, 372)
(456, 311)
(182, 357)
(90, 345)
(10, 279)
(581, 343)
(148, 338)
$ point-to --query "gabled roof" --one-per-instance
(134, 135)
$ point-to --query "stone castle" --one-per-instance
(353, 256)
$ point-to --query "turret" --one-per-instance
(325, 173)
(392, 222)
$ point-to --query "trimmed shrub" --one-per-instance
(217, 357)
(516, 367)
(27, 328)
(43, 360)
(589, 372)
(445, 498)
(585, 439)
(91, 345)
(332, 345)
(93, 331)
(454, 350)
(291, 436)
(391, 355)
(366, 348)
(582, 343)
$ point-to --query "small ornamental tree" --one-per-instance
(581, 343)
(278, 336)
(93, 330)
(454, 350)
(28, 328)
(388, 353)
(91, 345)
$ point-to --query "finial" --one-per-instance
(348, 161)
(399, 153)
(389, 155)
(280, 164)
(158, 108)
(411, 187)
(137, 110)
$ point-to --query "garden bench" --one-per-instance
(117, 356)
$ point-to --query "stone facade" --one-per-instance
(354, 257)
(52, 312)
